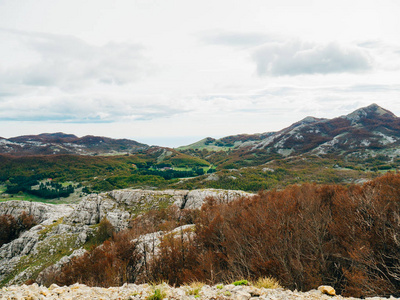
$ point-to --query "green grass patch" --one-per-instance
(158, 294)
(241, 282)
(43, 233)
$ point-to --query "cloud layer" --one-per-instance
(282, 56)
(297, 58)
(63, 79)
(68, 62)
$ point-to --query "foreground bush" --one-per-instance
(113, 263)
(304, 236)
(10, 227)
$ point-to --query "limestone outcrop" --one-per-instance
(40, 211)
(120, 206)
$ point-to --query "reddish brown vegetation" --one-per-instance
(10, 228)
(304, 236)
(119, 259)
(113, 263)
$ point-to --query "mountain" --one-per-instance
(366, 132)
(369, 128)
(61, 143)
(226, 143)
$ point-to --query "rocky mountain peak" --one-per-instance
(370, 112)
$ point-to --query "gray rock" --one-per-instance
(41, 211)
(196, 198)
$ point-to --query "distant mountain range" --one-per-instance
(61, 143)
(352, 148)
(367, 131)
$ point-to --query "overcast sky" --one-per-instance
(172, 72)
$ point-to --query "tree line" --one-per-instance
(48, 190)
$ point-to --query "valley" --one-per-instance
(348, 149)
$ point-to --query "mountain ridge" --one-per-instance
(368, 128)
(62, 143)
(365, 132)
(370, 112)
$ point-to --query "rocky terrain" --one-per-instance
(145, 291)
(64, 229)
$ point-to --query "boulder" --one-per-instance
(328, 290)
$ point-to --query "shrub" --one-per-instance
(104, 231)
(267, 283)
(113, 263)
(10, 227)
(241, 282)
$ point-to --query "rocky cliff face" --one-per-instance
(64, 229)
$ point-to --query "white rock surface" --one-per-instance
(142, 291)
(41, 211)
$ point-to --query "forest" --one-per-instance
(304, 236)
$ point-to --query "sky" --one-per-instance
(169, 73)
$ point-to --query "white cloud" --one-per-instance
(386, 55)
(279, 55)
(296, 58)
(85, 109)
(68, 62)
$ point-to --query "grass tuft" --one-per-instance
(194, 288)
(157, 295)
(267, 283)
(241, 282)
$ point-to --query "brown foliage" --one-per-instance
(176, 262)
(304, 235)
(113, 263)
(10, 228)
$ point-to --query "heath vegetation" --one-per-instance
(299, 237)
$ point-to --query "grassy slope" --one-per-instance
(249, 173)
(99, 172)
(283, 172)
